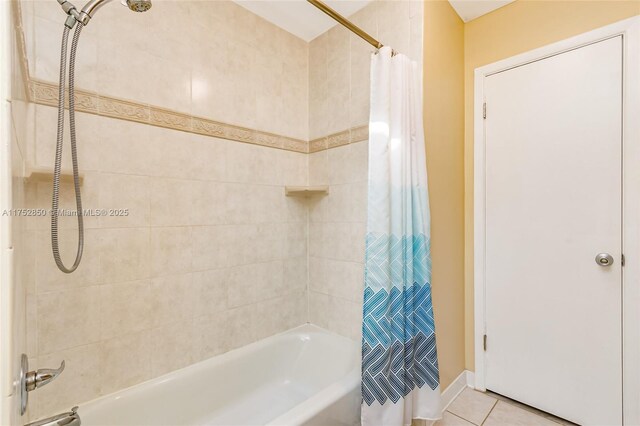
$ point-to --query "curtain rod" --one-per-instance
(346, 23)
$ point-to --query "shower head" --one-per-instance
(93, 5)
(138, 5)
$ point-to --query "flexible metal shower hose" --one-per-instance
(74, 154)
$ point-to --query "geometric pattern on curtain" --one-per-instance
(399, 344)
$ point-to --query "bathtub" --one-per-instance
(305, 376)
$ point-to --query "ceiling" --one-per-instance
(299, 17)
(302, 19)
(472, 9)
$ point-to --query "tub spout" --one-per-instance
(72, 418)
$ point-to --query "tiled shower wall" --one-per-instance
(211, 255)
(212, 59)
(339, 64)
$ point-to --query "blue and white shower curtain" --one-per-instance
(400, 379)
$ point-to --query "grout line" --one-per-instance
(462, 418)
(490, 411)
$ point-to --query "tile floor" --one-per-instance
(487, 409)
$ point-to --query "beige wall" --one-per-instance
(516, 28)
(444, 138)
(339, 65)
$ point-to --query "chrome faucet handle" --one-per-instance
(37, 379)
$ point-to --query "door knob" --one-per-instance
(604, 259)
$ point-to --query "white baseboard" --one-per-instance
(455, 388)
(471, 378)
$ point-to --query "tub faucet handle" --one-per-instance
(37, 379)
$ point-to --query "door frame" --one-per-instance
(629, 29)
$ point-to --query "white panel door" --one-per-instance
(553, 202)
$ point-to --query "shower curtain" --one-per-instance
(400, 379)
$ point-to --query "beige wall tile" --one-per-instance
(120, 192)
(124, 254)
(319, 168)
(211, 86)
(348, 202)
(124, 308)
(207, 203)
(348, 163)
(171, 202)
(252, 283)
(68, 318)
(248, 163)
(296, 274)
(339, 315)
(318, 275)
(338, 75)
(31, 323)
(45, 139)
(207, 158)
(266, 243)
(235, 208)
(172, 298)
(210, 289)
(317, 246)
(48, 32)
(344, 241)
(345, 279)
(211, 336)
(215, 247)
(241, 326)
(170, 250)
(124, 361)
(337, 278)
(172, 347)
(389, 32)
(295, 243)
(47, 275)
(318, 86)
(282, 313)
(294, 168)
(295, 209)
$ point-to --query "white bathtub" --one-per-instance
(305, 376)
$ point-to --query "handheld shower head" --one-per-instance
(93, 5)
(138, 5)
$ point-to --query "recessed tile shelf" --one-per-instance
(305, 191)
(45, 174)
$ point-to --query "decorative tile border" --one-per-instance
(352, 135)
(46, 93)
(359, 134)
